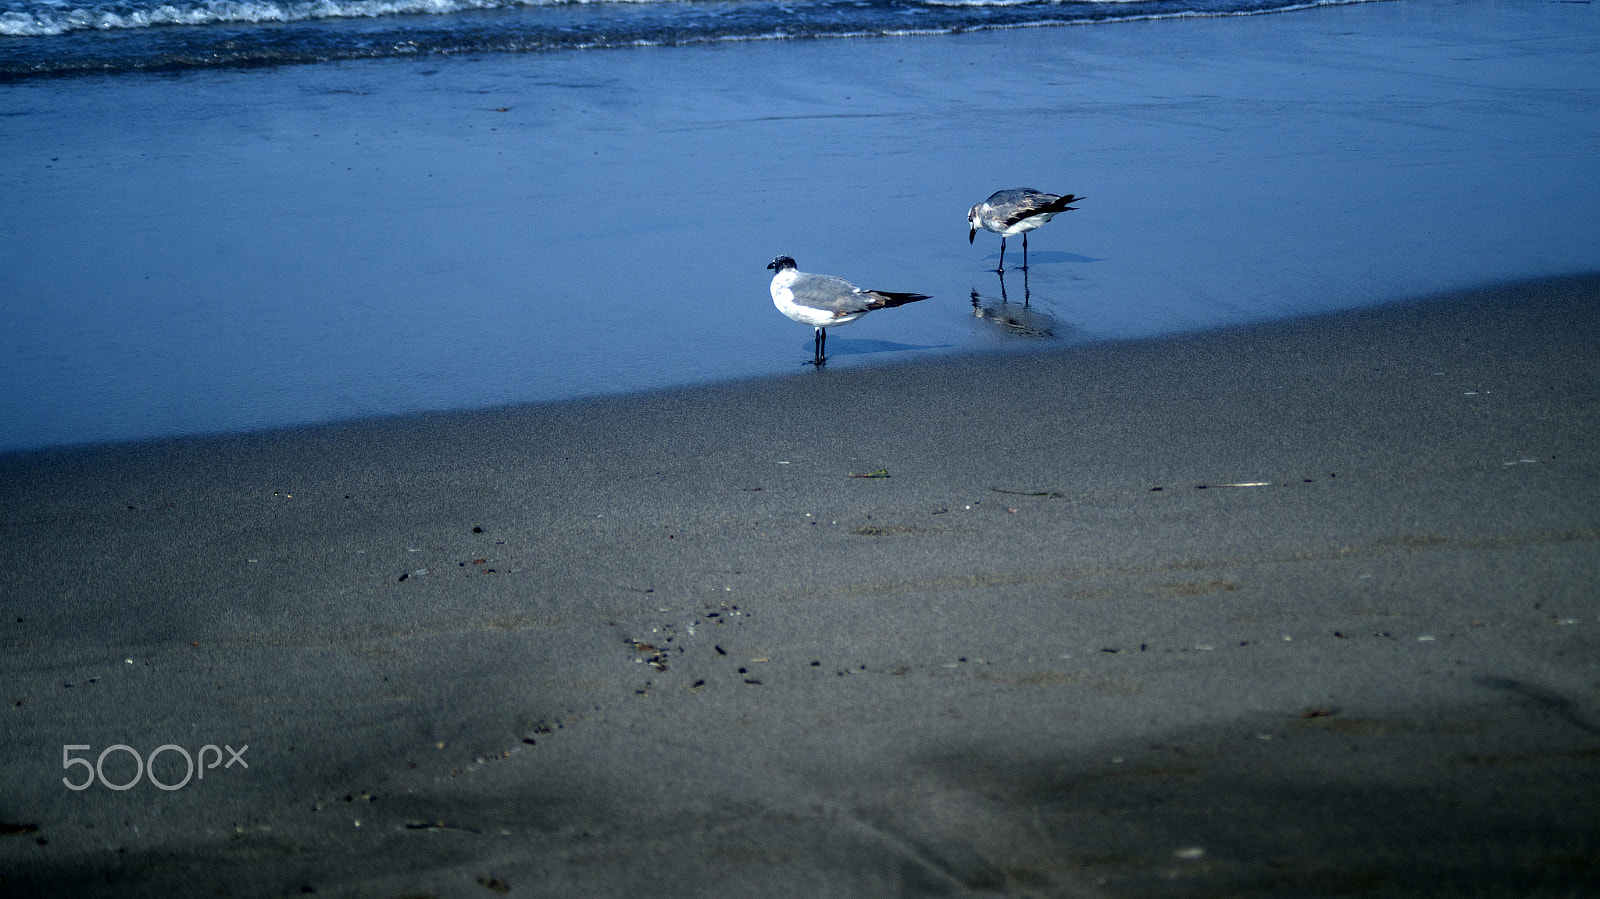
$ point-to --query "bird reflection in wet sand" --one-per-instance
(1019, 320)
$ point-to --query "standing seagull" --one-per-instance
(1017, 211)
(823, 301)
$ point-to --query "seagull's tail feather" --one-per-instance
(1060, 204)
(884, 299)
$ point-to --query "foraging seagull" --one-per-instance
(1011, 212)
(823, 301)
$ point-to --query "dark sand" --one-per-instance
(1058, 650)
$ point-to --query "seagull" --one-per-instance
(1018, 211)
(824, 301)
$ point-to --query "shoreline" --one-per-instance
(584, 404)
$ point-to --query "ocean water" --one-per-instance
(60, 36)
(293, 214)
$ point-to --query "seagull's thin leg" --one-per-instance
(820, 342)
(1024, 251)
(1002, 266)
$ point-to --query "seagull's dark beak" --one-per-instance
(972, 235)
(772, 265)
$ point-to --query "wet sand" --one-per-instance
(1297, 608)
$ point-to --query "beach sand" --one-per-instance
(1297, 608)
(1304, 607)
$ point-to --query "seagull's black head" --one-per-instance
(781, 263)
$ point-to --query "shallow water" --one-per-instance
(64, 36)
(244, 249)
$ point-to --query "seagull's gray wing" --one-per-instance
(1017, 205)
(831, 294)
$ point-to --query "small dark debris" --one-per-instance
(477, 530)
(1318, 713)
(11, 830)
(404, 576)
(751, 680)
(495, 884)
(1109, 649)
(816, 664)
(720, 650)
(530, 741)
(742, 671)
(1155, 489)
(698, 684)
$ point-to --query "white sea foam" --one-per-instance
(60, 18)
(24, 18)
(222, 32)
